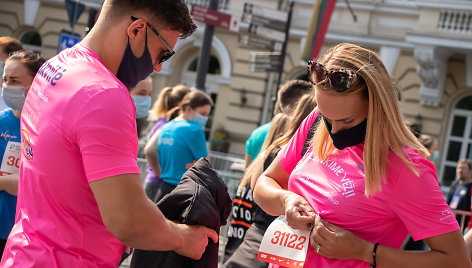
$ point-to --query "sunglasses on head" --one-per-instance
(164, 54)
(339, 79)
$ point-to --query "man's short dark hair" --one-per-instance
(173, 13)
(467, 161)
(290, 93)
(414, 128)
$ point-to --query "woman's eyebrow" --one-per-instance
(344, 119)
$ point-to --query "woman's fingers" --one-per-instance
(298, 218)
(322, 238)
(299, 214)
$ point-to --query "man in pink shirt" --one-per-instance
(80, 198)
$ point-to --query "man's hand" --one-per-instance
(195, 238)
(189, 165)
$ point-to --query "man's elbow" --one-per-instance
(120, 227)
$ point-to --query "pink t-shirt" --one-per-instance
(78, 126)
(335, 190)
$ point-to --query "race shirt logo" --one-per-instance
(27, 149)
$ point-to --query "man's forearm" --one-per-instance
(9, 183)
(147, 229)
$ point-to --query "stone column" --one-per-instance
(389, 56)
(31, 10)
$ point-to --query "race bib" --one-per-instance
(283, 245)
(11, 158)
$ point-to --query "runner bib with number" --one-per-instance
(283, 245)
(11, 158)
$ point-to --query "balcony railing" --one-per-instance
(222, 4)
(455, 21)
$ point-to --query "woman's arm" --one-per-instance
(447, 250)
(468, 243)
(151, 153)
(9, 183)
(271, 195)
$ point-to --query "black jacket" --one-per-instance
(200, 198)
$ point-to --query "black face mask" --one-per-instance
(348, 137)
(132, 69)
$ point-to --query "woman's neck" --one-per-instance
(17, 113)
(184, 116)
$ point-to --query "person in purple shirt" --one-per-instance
(169, 98)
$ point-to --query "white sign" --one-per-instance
(269, 13)
(268, 33)
(283, 245)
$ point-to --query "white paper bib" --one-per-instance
(283, 245)
(11, 158)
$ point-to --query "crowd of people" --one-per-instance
(337, 160)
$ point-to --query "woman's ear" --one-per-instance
(189, 111)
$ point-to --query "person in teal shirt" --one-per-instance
(288, 96)
(181, 142)
(256, 140)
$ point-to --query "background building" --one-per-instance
(426, 46)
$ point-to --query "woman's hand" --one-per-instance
(298, 213)
(334, 242)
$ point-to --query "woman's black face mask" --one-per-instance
(348, 137)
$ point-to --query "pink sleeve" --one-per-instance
(419, 203)
(105, 132)
(292, 152)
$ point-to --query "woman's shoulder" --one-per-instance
(422, 165)
(182, 125)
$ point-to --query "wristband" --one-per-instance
(374, 253)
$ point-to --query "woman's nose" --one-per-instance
(335, 127)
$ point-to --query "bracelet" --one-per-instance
(374, 253)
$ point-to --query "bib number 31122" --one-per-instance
(283, 245)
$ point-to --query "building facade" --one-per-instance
(426, 46)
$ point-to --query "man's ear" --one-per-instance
(135, 27)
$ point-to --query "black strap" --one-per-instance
(374, 253)
(271, 157)
(310, 134)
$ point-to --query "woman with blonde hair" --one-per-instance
(365, 182)
(168, 99)
(250, 222)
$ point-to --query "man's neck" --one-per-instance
(107, 45)
(465, 181)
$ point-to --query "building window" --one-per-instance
(31, 40)
(458, 141)
(213, 66)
